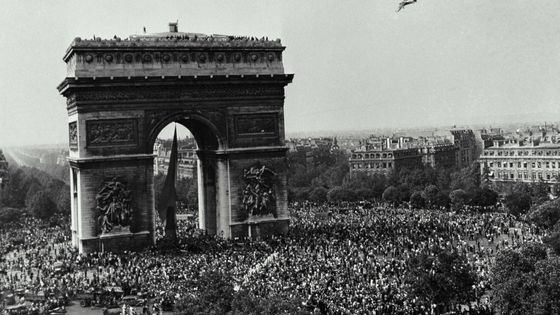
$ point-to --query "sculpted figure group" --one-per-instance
(258, 195)
(113, 206)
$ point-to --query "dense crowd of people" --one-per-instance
(344, 259)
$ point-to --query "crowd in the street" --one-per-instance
(340, 259)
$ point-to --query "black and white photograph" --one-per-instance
(306, 157)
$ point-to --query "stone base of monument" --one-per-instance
(260, 228)
(117, 242)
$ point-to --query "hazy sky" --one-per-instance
(357, 64)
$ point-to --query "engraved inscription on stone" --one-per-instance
(73, 134)
(258, 194)
(113, 206)
(251, 125)
(111, 132)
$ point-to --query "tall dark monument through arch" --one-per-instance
(228, 91)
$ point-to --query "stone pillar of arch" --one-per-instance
(228, 91)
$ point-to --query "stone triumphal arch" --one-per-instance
(227, 90)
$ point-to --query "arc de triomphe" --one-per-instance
(228, 91)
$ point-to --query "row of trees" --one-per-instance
(34, 191)
(325, 177)
(328, 179)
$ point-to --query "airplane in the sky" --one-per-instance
(404, 3)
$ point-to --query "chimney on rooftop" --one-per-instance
(173, 27)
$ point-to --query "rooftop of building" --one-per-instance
(175, 39)
(516, 145)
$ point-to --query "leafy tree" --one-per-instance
(365, 194)
(430, 193)
(546, 215)
(41, 206)
(417, 201)
(14, 193)
(547, 276)
(444, 279)
(553, 241)
(458, 198)
(467, 179)
(298, 193)
(338, 194)
(442, 200)
(214, 296)
(518, 198)
(391, 194)
(514, 285)
(539, 192)
(33, 190)
(518, 203)
(404, 192)
(484, 197)
(8, 215)
(63, 200)
(318, 194)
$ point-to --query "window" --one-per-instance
(390, 164)
(547, 164)
(539, 165)
(524, 164)
(510, 164)
(548, 176)
(518, 164)
(533, 165)
(491, 164)
(499, 164)
(511, 176)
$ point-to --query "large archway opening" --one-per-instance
(186, 172)
(196, 173)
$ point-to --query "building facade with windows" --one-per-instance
(439, 155)
(385, 160)
(517, 161)
(382, 155)
(466, 143)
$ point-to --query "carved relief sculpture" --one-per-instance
(73, 134)
(113, 206)
(258, 194)
(250, 125)
(111, 132)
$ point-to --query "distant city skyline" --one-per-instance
(357, 67)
